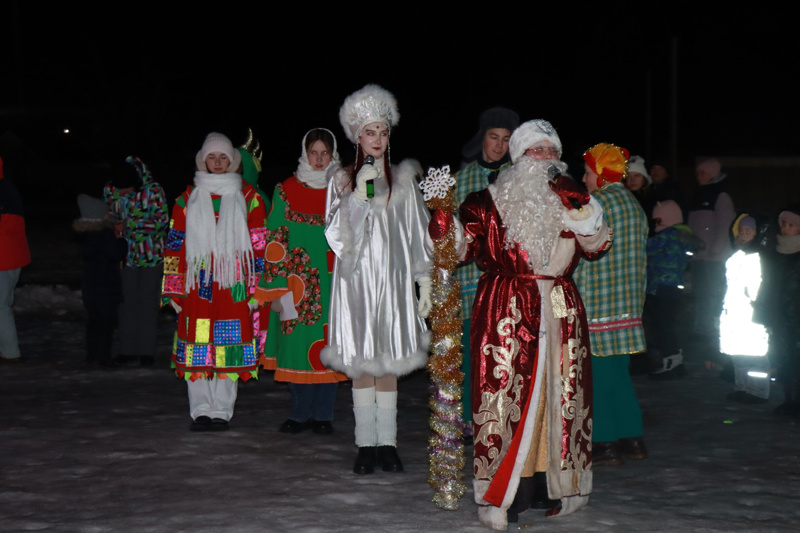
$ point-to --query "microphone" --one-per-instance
(554, 173)
(369, 160)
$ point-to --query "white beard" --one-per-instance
(532, 213)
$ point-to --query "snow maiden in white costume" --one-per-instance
(375, 224)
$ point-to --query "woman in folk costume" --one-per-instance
(297, 280)
(531, 370)
(210, 274)
(375, 224)
(613, 291)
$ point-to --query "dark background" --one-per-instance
(152, 79)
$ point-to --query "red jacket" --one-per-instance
(14, 251)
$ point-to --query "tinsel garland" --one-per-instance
(445, 446)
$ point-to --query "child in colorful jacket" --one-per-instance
(668, 253)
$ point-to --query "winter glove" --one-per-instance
(439, 224)
(175, 306)
(425, 304)
(438, 228)
(569, 192)
(366, 173)
(585, 221)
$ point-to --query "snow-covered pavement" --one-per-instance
(110, 451)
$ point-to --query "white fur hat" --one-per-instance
(530, 133)
(365, 106)
(217, 142)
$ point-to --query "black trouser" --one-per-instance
(100, 324)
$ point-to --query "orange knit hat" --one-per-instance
(608, 161)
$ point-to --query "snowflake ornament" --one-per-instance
(437, 183)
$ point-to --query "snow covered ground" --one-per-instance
(109, 451)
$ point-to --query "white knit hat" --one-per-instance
(636, 164)
(370, 104)
(217, 142)
(530, 133)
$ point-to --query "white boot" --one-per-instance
(671, 366)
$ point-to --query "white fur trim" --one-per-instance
(530, 133)
(493, 517)
(372, 103)
(596, 241)
(571, 504)
(382, 365)
(585, 221)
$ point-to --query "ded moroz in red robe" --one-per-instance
(530, 353)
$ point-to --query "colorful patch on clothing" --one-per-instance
(206, 289)
(258, 236)
(227, 332)
(175, 239)
(303, 280)
(172, 265)
(277, 240)
(173, 284)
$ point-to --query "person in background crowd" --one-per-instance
(489, 147)
(740, 336)
(14, 254)
(640, 183)
(782, 309)
(665, 187)
(710, 217)
(140, 208)
(669, 249)
(101, 282)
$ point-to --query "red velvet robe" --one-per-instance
(525, 326)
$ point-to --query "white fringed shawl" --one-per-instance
(227, 239)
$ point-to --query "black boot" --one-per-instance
(541, 499)
(606, 454)
(388, 459)
(365, 460)
(522, 499)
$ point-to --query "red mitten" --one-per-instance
(439, 224)
(572, 195)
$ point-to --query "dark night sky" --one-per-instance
(129, 78)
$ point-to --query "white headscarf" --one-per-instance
(316, 179)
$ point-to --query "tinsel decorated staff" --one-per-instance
(445, 447)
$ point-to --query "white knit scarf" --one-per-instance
(788, 244)
(316, 179)
(227, 239)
